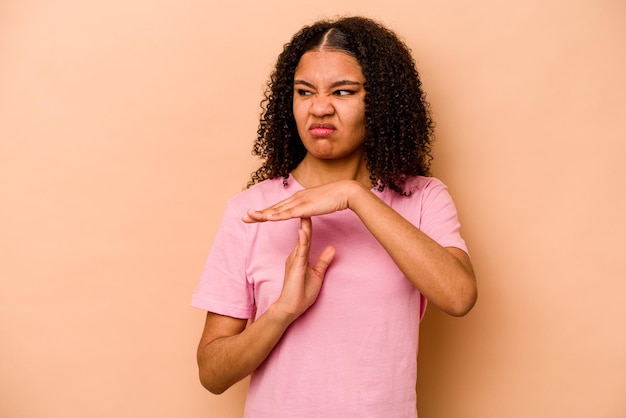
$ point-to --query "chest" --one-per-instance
(361, 274)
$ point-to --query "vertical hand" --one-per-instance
(303, 282)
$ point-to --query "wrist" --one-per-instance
(356, 192)
(281, 316)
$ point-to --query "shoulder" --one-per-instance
(260, 195)
(418, 187)
(422, 194)
(421, 184)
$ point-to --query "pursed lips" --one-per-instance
(321, 129)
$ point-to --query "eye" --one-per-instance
(343, 92)
(303, 92)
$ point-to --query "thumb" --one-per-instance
(323, 261)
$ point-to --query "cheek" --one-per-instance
(299, 115)
(358, 121)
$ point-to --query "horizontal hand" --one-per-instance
(315, 201)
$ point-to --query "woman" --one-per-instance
(328, 327)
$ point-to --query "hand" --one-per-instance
(320, 200)
(302, 282)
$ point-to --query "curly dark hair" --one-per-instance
(399, 128)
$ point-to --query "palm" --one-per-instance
(303, 282)
(315, 201)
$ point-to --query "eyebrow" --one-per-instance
(333, 85)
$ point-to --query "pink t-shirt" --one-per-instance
(354, 352)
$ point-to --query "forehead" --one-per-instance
(329, 64)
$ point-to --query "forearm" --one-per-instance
(229, 351)
(225, 360)
(443, 275)
(444, 279)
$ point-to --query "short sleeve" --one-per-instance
(223, 287)
(439, 219)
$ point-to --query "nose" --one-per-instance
(321, 105)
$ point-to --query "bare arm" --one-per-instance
(229, 351)
(443, 275)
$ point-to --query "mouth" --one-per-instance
(321, 129)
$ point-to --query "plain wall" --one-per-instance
(125, 126)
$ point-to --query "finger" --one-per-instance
(278, 212)
(301, 251)
(284, 211)
(252, 216)
(307, 226)
(269, 214)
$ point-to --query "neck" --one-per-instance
(312, 172)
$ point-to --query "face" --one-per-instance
(329, 104)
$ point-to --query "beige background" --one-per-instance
(125, 125)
